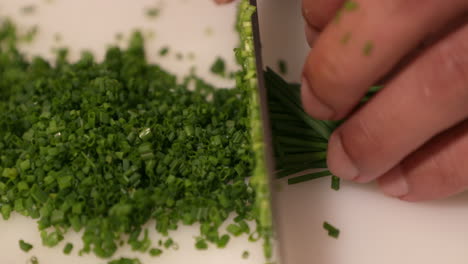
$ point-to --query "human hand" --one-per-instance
(413, 135)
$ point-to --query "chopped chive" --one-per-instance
(152, 12)
(201, 244)
(335, 183)
(223, 241)
(346, 38)
(155, 252)
(219, 67)
(368, 48)
(350, 5)
(68, 248)
(26, 247)
(163, 51)
(283, 67)
(234, 229)
(33, 260)
(28, 10)
(245, 254)
(332, 231)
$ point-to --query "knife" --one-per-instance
(267, 136)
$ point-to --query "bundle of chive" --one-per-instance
(300, 141)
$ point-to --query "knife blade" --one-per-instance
(265, 118)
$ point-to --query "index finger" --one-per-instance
(366, 40)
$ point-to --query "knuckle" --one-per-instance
(449, 68)
(327, 75)
(445, 168)
(318, 13)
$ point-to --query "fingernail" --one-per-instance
(339, 162)
(394, 183)
(312, 105)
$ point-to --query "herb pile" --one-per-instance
(106, 146)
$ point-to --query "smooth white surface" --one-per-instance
(93, 24)
(374, 229)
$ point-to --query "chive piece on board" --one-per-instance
(332, 231)
(68, 248)
(26, 247)
(368, 48)
(335, 183)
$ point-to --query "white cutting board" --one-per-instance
(374, 229)
(186, 26)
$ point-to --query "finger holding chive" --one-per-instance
(413, 135)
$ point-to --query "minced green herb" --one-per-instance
(120, 143)
(332, 231)
(68, 248)
(283, 67)
(33, 260)
(346, 38)
(245, 254)
(155, 252)
(368, 48)
(163, 51)
(26, 247)
(125, 261)
(152, 12)
(219, 67)
(103, 147)
(169, 242)
(201, 244)
(335, 184)
(28, 10)
(350, 5)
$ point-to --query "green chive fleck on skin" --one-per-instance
(368, 48)
(346, 38)
(350, 5)
(338, 16)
